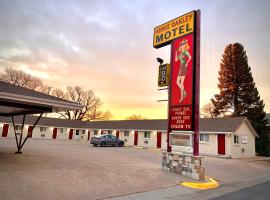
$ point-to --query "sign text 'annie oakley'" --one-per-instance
(173, 29)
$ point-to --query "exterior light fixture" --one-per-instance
(160, 60)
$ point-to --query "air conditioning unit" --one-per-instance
(242, 150)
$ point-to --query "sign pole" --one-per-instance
(169, 148)
(197, 85)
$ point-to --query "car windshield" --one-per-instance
(99, 136)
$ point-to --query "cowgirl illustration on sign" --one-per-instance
(184, 57)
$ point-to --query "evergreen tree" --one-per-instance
(238, 92)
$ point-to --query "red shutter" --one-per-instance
(135, 138)
(70, 136)
(159, 134)
(30, 131)
(5, 130)
(88, 138)
(54, 133)
(221, 144)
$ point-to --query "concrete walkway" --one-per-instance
(50, 169)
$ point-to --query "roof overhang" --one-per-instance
(15, 104)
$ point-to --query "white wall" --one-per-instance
(210, 147)
(129, 140)
(11, 131)
(163, 140)
(64, 135)
(84, 136)
(152, 141)
(37, 134)
(249, 148)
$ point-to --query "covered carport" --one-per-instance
(19, 101)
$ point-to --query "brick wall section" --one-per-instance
(184, 164)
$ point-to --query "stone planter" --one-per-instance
(184, 164)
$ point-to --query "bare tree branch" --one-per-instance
(136, 117)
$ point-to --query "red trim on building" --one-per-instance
(30, 131)
(5, 130)
(221, 144)
(135, 138)
(88, 137)
(159, 135)
(117, 134)
(54, 133)
(70, 135)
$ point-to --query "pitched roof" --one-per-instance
(15, 89)
(207, 125)
(16, 100)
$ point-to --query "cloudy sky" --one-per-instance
(106, 46)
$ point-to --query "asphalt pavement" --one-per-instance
(55, 169)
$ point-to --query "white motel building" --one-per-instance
(224, 137)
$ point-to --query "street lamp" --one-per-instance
(160, 60)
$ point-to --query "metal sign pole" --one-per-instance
(197, 85)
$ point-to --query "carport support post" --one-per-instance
(20, 147)
(15, 132)
(20, 144)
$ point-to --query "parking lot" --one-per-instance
(54, 169)
(50, 169)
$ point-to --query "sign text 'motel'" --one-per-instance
(173, 29)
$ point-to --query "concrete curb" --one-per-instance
(211, 184)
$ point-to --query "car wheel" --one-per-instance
(102, 144)
(121, 144)
(95, 145)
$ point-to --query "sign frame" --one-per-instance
(182, 134)
(180, 35)
(196, 87)
(167, 75)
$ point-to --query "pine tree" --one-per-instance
(238, 92)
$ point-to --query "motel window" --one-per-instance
(126, 133)
(62, 130)
(95, 132)
(236, 139)
(43, 129)
(18, 127)
(204, 137)
(147, 134)
(83, 132)
(77, 132)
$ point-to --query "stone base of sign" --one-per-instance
(184, 164)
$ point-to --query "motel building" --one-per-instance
(223, 137)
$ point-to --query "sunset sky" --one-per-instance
(106, 46)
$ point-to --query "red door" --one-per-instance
(5, 130)
(221, 144)
(70, 136)
(54, 133)
(101, 132)
(136, 138)
(159, 134)
(30, 131)
(117, 134)
(88, 138)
